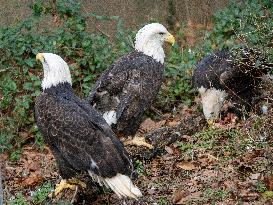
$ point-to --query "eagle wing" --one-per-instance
(137, 95)
(208, 71)
(133, 83)
(81, 136)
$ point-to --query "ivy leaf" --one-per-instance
(28, 86)
(30, 62)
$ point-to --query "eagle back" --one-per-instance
(77, 131)
(128, 86)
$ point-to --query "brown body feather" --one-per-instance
(240, 75)
(128, 87)
(78, 136)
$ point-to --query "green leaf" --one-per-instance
(28, 86)
(268, 194)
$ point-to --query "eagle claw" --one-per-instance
(67, 184)
(138, 141)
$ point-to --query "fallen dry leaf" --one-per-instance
(269, 182)
(203, 161)
(149, 125)
(152, 191)
(183, 196)
(254, 176)
(179, 196)
(226, 154)
(173, 123)
(34, 179)
(186, 166)
(169, 150)
(23, 135)
(247, 195)
(230, 118)
(34, 166)
(229, 184)
(187, 138)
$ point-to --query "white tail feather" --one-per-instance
(120, 184)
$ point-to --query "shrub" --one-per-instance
(244, 23)
(240, 24)
(87, 53)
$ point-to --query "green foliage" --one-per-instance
(215, 195)
(210, 139)
(247, 23)
(267, 194)
(163, 201)
(19, 199)
(63, 203)
(38, 196)
(139, 167)
(243, 23)
(5, 141)
(219, 141)
(8, 87)
(15, 154)
(87, 53)
(177, 89)
(260, 187)
(41, 193)
(39, 140)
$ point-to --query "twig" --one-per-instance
(156, 111)
(102, 32)
(74, 195)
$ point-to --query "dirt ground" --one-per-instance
(229, 163)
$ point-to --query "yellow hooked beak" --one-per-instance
(40, 57)
(170, 39)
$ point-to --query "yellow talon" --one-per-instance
(76, 182)
(63, 185)
(138, 141)
(67, 184)
(210, 122)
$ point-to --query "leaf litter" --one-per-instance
(213, 167)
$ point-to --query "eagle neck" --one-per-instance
(59, 89)
(153, 49)
(55, 74)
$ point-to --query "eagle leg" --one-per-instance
(61, 186)
(68, 184)
(77, 182)
(210, 123)
(138, 141)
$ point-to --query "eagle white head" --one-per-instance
(55, 69)
(212, 102)
(150, 40)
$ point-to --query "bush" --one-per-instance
(241, 24)
(88, 54)
(244, 23)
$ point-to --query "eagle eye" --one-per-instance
(161, 33)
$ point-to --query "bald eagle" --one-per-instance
(78, 136)
(129, 86)
(223, 75)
